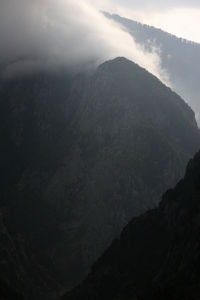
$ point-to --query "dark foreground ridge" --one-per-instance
(157, 255)
(80, 156)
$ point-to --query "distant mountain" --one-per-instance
(179, 57)
(157, 255)
(81, 155)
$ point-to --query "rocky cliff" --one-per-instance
(157, 255)
(82, 154)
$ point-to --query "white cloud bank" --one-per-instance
(47, 33)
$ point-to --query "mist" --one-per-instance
(72, 33)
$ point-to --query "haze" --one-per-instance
(45, 34)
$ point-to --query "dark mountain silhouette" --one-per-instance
(7, 293)
(21, 273)
(81, 155)
(157, 255)
(179, 57)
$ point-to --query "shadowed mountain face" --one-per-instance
(157, 255)
(7, 293)
(21, 273)
(81, 155)
(179, 57)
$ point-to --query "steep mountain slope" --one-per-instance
(81, 155)
(7, 293)
(22, 276)
(179, 57)
(157, 255)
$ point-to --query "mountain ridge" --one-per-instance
(87, 153)
(185, 40)
(157, 254)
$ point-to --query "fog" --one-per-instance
(51, 33)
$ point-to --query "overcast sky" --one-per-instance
(49, 33)
(180, 17)
(37, 34)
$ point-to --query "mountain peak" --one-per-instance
(88, 153)
(119, 62)
(178, 57)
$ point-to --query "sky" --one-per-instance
(179, 17)
(47, 33)
(50, 33)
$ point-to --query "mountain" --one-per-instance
(22, 276)
(81, 154)
(179, 58)
(157, 255)
(7, 293)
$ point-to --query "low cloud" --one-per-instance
(72, 33)
(146, 5)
